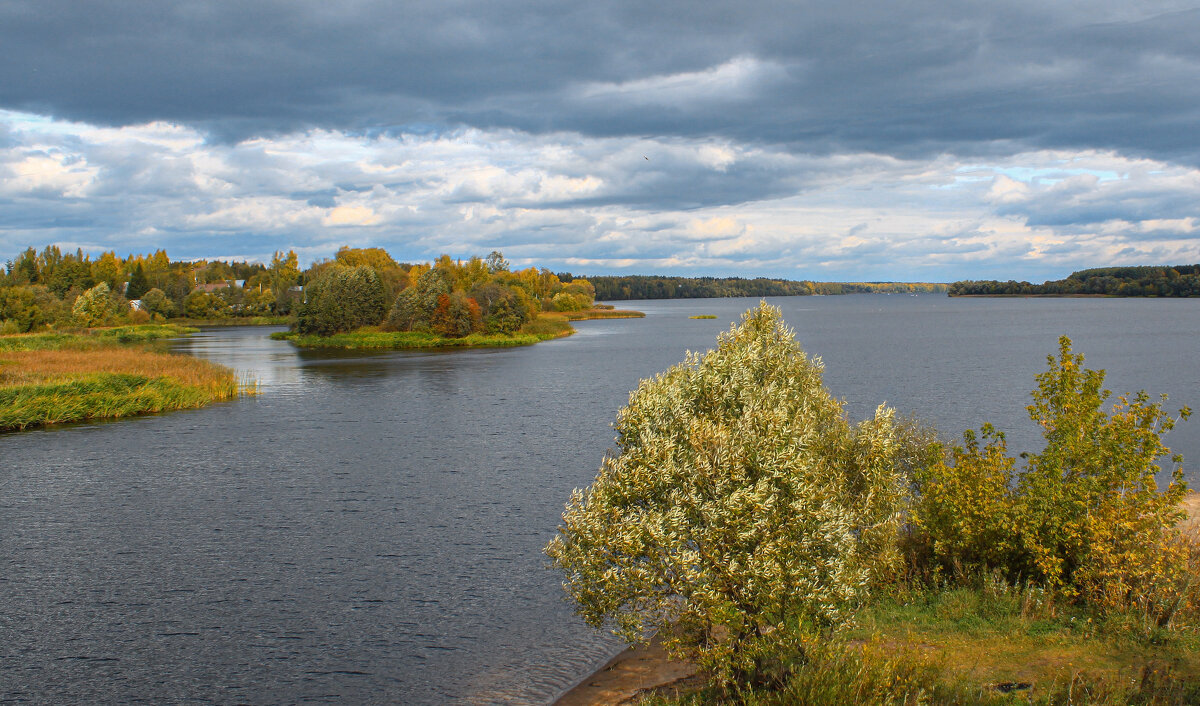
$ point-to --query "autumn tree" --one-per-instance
(393, 276)
(109, 268)
(18, 311)
(456, 315)
(205, 305)
(740, 504)
(414, 306)
(285, 273)
(502, 309)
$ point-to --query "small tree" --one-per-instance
(95, 307)
(17, 306)
(1091, 514)
(414, 306)
(156, 302)
(138, 284)
(740, 505)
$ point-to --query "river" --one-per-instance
(368, 528)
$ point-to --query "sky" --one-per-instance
(858, 141)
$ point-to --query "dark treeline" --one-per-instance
(665, 287)
(1177, 281)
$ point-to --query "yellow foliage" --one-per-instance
(1085, 517)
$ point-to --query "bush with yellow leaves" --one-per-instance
(1084, 517)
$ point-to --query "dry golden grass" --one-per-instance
(48, 366)
(1191, 505)
(79, 378)
(599, 313)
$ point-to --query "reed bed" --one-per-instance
(91, 338)
(604, 313)
(54, 378)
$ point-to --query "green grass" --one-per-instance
(91, 338)
(404, 340)
(703, 316)
(238, 321)
(102, 396)
(49, 378)
(967, 645)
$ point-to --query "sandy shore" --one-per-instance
(636, 671)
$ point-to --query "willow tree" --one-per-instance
(742, 512)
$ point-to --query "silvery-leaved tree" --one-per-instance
(742, 513)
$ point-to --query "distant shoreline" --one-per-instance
(1046, 296)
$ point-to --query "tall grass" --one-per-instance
(91, 338)
(884, 673)
(62, 377)
(603, 313)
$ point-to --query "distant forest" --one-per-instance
(1177, 281)
(664, 287)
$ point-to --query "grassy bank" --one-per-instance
(980, 642)
(238, 321)
(984, 645)
(50, 378)
(547, 326)
(401, 340)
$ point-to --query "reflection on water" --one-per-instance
(369, 528)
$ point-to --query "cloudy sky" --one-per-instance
(887, 140)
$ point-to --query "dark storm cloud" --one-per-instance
(910, 79)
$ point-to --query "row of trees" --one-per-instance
(446, 297)
(743, 518)
(43, 288)
(1177, 281)
(665, 287)
(357, 287)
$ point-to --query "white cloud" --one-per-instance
(49, 174)
(350, 216)
(738, 79)
(566, 201)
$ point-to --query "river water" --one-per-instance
(368, 529)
